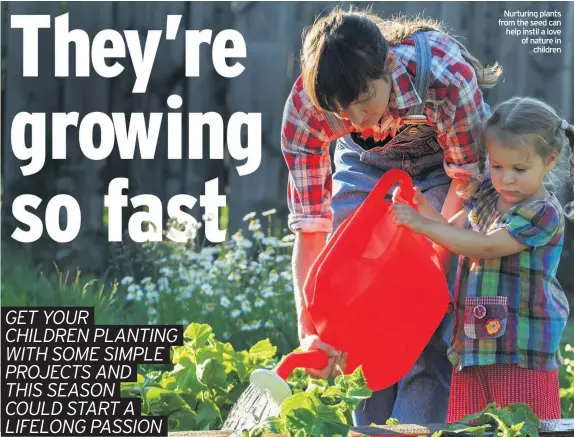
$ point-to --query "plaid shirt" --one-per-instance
(454, 106)
(512, 310)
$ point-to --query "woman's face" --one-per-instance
(370, 107)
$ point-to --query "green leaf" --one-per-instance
(208, 353)
(182, 353)
(208, 416)
(212, 374)
(263, 350)
(332, 394)
(479, 417)
(199, 334)
(355, 395)
(299, 420)
(392, 421)
(300, 401)
(526, 410)
(162, 401)
(521, 414)
(460, 428)
(183, 419)
(275, 425)
(185, 377)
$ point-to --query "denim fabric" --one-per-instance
(422, 395)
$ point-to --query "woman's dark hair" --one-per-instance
(344, 51)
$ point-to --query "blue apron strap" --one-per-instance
(422, 79)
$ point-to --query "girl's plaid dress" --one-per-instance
(510, 312)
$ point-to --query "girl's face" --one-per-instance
(517, 172)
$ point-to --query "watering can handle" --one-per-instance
(405, 182)
(315, 359)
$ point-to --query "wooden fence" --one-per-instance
(272, 31)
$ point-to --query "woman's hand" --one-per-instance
(337, 359)
(406, 215)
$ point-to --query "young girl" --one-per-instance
(510, 310)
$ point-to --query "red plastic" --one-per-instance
(315, 359)
(377, 291)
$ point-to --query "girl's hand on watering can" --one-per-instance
(419, 199)
(336, 358)
(407, 216)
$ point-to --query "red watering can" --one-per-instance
(377, 292)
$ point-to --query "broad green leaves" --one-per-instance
(207, 379)
(516, 420)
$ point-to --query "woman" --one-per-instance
(393, 95)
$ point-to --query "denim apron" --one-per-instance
(422, 395)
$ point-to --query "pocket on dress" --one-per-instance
(485, 317)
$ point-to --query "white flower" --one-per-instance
(245, 244)
(269, 324)
(267, 292)
(286, 275)
(219, 263)
(288, 238)
(254, 225)
(146, 279)
(271, 241)
(234, 276)
(127, 280)
(208, 217)
(246, 306)
(249, 216)
(240, 297)
(269, 212)
(163, 284)
(255, 324)
(191, 255)
(259, 302)
(237, 237)
(210, 307)
(258, 235)
(265, 256)
(568, 348)
(165, 271)
(224, 302)
(273, 277)
(188, 293)
(206, 290)
(235, 313)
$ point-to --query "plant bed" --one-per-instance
(548, 428)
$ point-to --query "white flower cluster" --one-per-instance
(243, 285)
